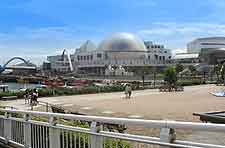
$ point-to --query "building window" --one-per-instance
(156, 57)
(99, 55)
(78, 58)
(88, 57)
(84, 57)
(149, 57)
(91, 57)
(81, 58)
(165, 51)
(160, 58)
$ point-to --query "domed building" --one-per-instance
(123, 46)
(120, 49)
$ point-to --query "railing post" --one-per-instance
(7, 127)
(96, 141)
(167, 135)
(27, 131)
(54, 134)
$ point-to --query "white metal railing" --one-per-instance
(25, 131)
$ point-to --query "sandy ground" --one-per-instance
(147, 104)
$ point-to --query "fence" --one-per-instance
(21, 129)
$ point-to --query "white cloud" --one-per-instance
(177, 35)
(180, 50)
(41, 42)
(37, 43)
(183, 28)
(156, 31)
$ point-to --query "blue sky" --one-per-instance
(36, 28)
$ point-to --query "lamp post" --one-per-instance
(143, 79)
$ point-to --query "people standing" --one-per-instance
(35, 96)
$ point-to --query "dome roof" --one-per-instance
(122, 42)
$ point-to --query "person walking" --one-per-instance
(128, 91)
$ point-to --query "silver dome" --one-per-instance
(122, 42)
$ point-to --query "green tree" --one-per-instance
(143, 71)
(179, 68)
(192, 70)
(222, 72)
(217, 69)
(154, 70)
(170, 76)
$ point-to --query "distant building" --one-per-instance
(209, 50)
(186, 58)
(205, 43)
(120, 50)
(46, 66)
(60, 63)
(23, 71)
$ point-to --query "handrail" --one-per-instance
(140, 122)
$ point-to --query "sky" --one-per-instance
(34, 29)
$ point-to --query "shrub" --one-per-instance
(7, 94)
(20, 94)
(189, 82)
(48, 92)
(170, 76)
(45, 92)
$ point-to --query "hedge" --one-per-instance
(77, 91)
(67, 91)
(189, 82)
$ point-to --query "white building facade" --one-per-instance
(120, 50)
(205, 43)
(209, 50)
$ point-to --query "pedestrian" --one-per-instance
(128, 91)
(26, 96)
(35, 96)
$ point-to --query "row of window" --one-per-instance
(157, 57)
(154, 46)
(87, 57)
(159, 51)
